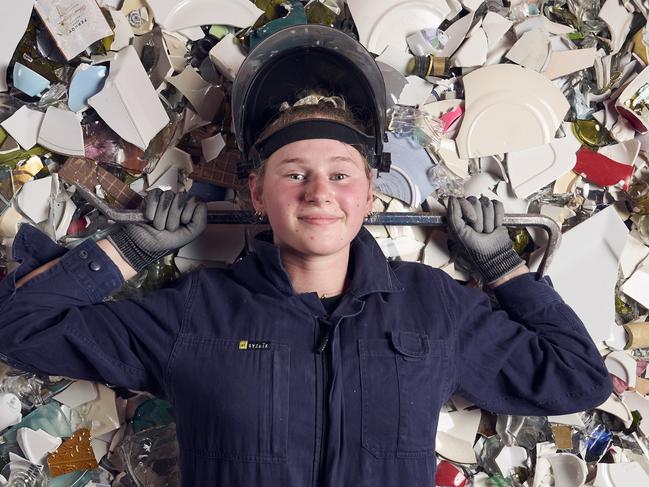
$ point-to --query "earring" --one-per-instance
(259, 215)
(370, 214)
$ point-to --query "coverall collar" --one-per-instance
(377, 275)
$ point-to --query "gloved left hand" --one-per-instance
(478, 225)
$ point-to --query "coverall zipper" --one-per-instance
(322, 349)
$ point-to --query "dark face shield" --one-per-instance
(301, 59)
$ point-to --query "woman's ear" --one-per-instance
(370, 199)
(256, 190)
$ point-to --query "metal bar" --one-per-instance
(409, 219)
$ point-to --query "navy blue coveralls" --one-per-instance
(350, 399)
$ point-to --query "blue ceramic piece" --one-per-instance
(28, 81)
(86, 82)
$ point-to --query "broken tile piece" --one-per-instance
(204, 97)
(13, 23)
(602, 170)
(36, 444)
(531, 50)
(24, 126)
(73, 24)
(505, 116)
(72, 455)
(88, 174)
(176, 15)
(585, 287)
(129, 103)
(61, 132)
(221, 171)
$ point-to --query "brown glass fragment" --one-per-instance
(562, 436)
(74, 454)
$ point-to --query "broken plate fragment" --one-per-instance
(495, 26)
(456, 434)
(618, 20)
(531, 169)
(562, 63)
(77, 393)
(637, 286)
(180, 14)
(622, 365)
(204, 97)
(24, 126)
(473, 52)
(504, 116)
(381, 23)
(36, 444)
(602, 170)
(13, 23)
(128, 103)
(61, 132)
(587, 288)
(227, 56)
(86, 81)
(531, 50)
(28, 81)
(33, 200)
(620, 475)
(10, 410)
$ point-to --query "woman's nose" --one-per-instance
(318, 190)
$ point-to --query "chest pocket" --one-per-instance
(404, 380)
(241, 409)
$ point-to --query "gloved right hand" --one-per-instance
(174, 222)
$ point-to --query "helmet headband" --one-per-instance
(318, 128)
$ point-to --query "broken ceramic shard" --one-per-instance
(381, 23)
(61, 132)
(532, 50)
(585, 287)
(13, 23)
(128, 102)
(36, 444)
(28, 81)
(176, 15)
(456, 434)
(602, 170)
(227, 56)
(524, 113)
(74, 24)
(204, 97)
(72, 455)
(531, 169)
(10, 410)
(24, 126)
(86, 81)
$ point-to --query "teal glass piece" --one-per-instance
(49, 418)
(152, 413)
(72, 479)
(296, 16)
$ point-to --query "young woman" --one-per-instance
(313, 360)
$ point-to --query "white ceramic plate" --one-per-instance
(508, 108)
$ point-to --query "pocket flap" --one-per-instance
(410, 344)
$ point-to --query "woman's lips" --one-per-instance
(319, 219)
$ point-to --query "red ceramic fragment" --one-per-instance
(602, 170)
(449, 118)
(448, 475)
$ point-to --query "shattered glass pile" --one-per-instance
(542, 105)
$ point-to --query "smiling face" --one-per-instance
(316, 194)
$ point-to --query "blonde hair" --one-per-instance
(313, 105)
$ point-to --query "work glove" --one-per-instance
(174, 222)
(478, 226)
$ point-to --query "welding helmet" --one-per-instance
(300, 59)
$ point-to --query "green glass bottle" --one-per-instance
(592, 133)
(430, 65)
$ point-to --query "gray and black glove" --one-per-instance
(174, 222)
(478, 226)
